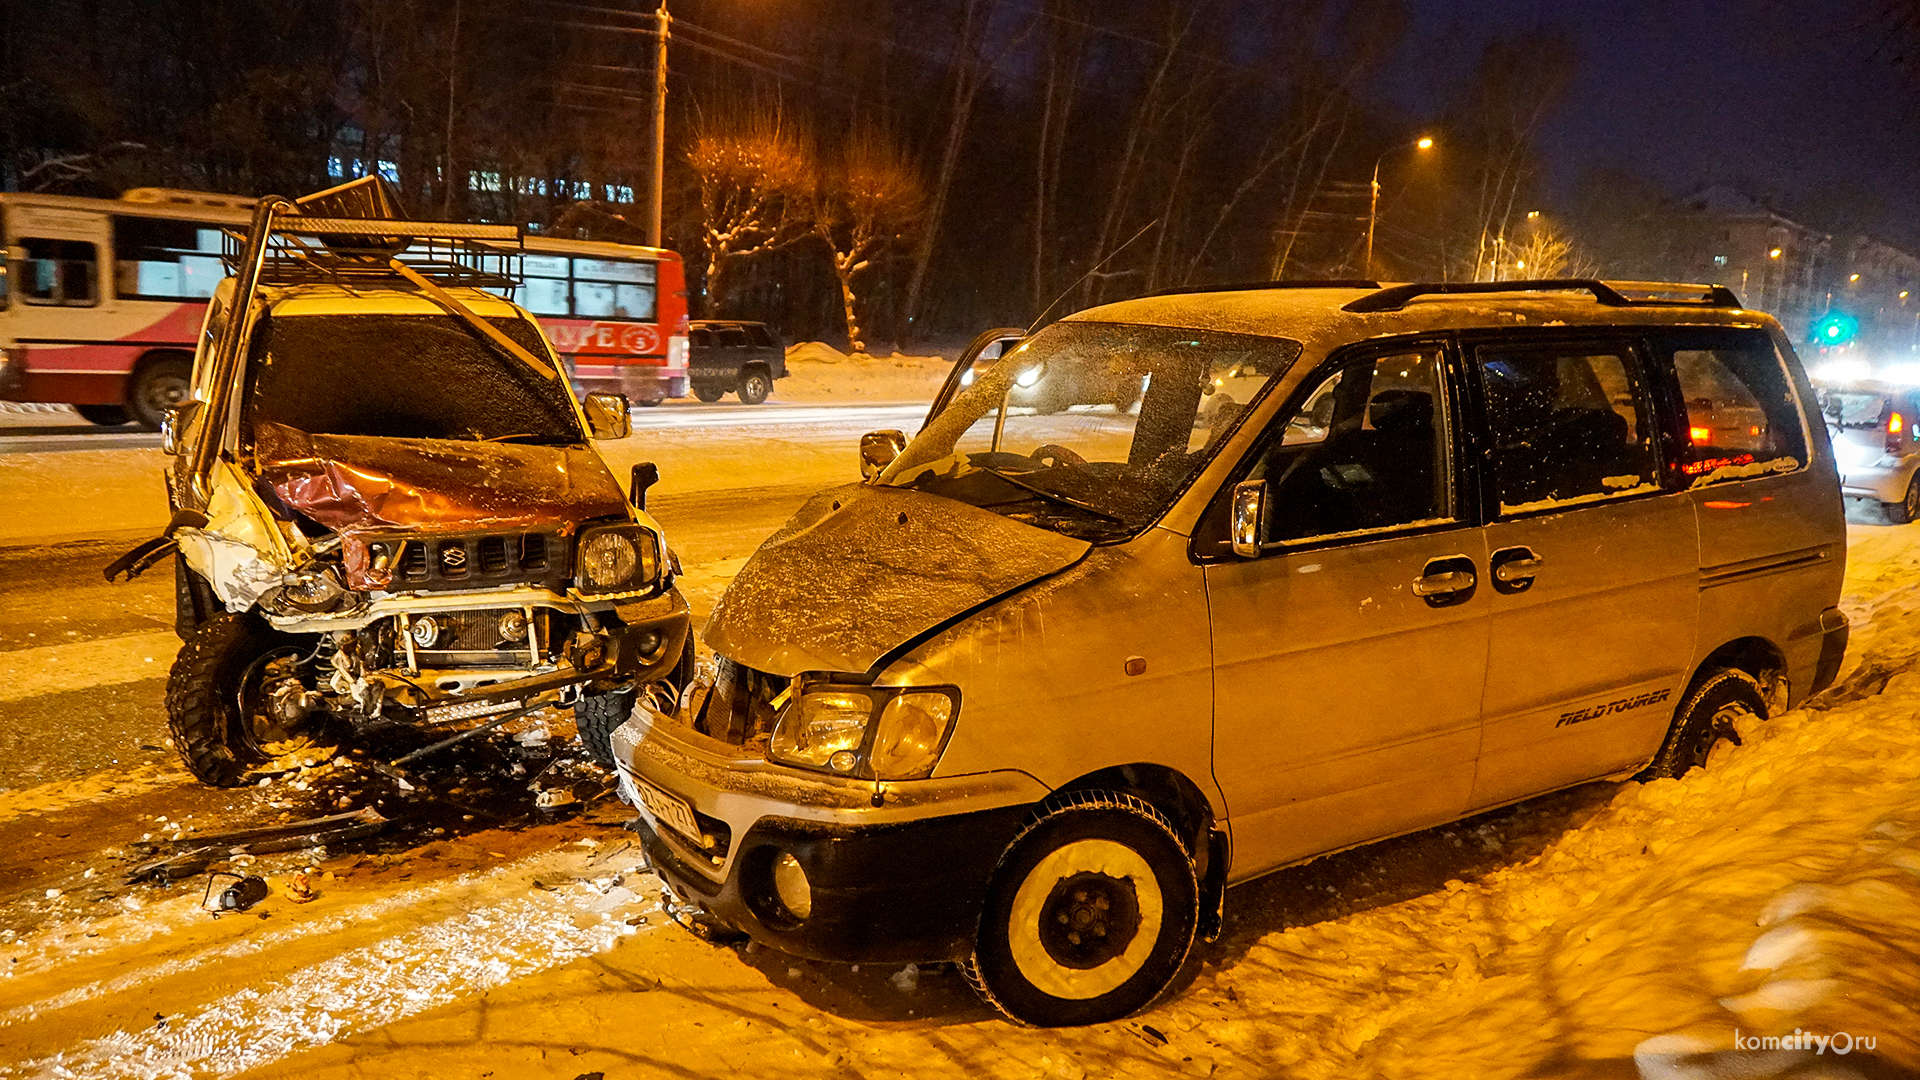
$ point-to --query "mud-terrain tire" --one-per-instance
(755, 385)
(193, 600)
(1705, 718)
(103, 415)
(204, 691)
(1908, 508)
(709, 394)
(595, 716)
(1090, 915)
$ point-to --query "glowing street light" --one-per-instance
(1424, 142)
(1774, 254)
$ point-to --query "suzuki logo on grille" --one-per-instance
(453, 558)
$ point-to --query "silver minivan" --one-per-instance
(1034, 694)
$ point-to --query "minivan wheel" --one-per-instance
(1090, 915)
(754, 386)
(1708, 715)
(1908, 508)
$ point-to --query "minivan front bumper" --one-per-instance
(895, 872)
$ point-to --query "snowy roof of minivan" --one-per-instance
(329, 299)
(1315, 316)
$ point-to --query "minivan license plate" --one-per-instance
(669, 810)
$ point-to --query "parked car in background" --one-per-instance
(1876, 443)
(732, 357)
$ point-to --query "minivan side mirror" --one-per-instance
(1249, 506)
(878, 449)
(173, 425)
(607, 416)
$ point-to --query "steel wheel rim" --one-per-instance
(1030, 951)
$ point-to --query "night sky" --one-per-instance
(1794, 101)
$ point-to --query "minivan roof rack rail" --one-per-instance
(1612, 294)
(1292, 283)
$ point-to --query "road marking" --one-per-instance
(82, 665)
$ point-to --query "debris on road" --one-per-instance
(244, 892)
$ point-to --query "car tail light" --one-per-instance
(1896, 432)
(1700, 436)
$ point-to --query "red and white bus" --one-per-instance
(100, 300)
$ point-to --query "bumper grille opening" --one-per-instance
(740, 708)
(484, 559)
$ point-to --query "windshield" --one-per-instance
(406, 377)
(1090, 429)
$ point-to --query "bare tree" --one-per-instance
(1542, 251)
(753, 171)
(869, 202)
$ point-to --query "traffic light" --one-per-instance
(1834, 330)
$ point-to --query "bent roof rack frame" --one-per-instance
(1250, 286)
(1612, 294)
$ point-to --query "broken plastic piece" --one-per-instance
(243, 893)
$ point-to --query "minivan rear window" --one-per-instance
(1741, 417)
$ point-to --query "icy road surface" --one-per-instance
(1608, 931)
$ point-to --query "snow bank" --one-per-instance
(817, 372)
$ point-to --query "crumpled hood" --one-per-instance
(861, 569)
(356, 484)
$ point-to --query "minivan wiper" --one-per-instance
(1054, 496)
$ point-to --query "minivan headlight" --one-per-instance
(616, 558)
(875, 732)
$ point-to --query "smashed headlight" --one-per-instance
(874, 732)
(617, 558)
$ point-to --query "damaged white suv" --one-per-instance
(386, 504)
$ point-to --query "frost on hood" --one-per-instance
(860, 569)
(357, 485)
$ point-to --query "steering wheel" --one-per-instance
(1054, 455)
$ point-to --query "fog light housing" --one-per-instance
(790, 886)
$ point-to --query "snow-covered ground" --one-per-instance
(1614, 930)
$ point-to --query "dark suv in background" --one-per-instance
(740, 357)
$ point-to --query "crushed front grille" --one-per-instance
(740, 708)
(465, 562)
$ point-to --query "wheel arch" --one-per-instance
(1186, 807)
(1758, 657)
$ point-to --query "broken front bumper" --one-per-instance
(894, 871)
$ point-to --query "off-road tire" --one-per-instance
(709, 394)
(158, 383)
(103, 415)
(755, 384)
(193, 600)
(1705, 718)
(1055, 874)
(595, 716)
(1908, 508)
(202, 696)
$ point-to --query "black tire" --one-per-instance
(1706, 717)
(755, 385)
(1908, 508)
(158, 384)
(595, 716)
(216, 698)
(103, 415)
(1090, 915)
(650, 403)
(193, 600)
(709, 394)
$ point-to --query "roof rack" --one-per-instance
(1248, 286)
(302, 250)
(1612, 294)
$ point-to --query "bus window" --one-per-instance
(157, 259)
(613, 289)
(59, 272)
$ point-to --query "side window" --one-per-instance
(733, 337)
(157, 259)
(545, 277)
(759, 337)
(60, 272)
(1366, 449)
(1741, 416)
(1566, 425)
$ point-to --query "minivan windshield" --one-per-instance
(404, 376)
(1090, 429)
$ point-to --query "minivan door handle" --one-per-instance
(1445, 581)
(1514, 569)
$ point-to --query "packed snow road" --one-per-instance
(1610, 930)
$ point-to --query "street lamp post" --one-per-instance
(1425, 142)
(654, 233)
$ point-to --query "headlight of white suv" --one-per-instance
(874, 732)
(617, 558)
